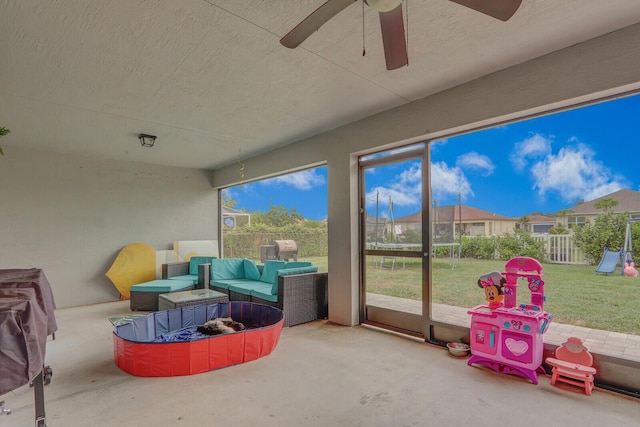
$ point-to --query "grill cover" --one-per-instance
(26, 319)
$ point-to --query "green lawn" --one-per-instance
(576, 295)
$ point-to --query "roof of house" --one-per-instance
(227, 211)
(452, 213)
(540, 219)
(628, 201)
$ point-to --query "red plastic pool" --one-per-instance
(137, 349)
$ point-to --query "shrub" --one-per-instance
(519, 244)
(503, 247)
(606, 231)
(245, 242)
(479, 247)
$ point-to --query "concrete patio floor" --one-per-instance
(320, 374)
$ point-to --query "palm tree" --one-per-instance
(606, 204)
(523, 222)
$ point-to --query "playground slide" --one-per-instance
(608, 262)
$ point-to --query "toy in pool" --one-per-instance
(166, 343)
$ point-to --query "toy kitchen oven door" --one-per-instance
(504, 336)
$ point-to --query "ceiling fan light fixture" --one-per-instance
(383, 5)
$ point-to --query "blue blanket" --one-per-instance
(189, 333)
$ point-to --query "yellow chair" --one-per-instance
(573, 365)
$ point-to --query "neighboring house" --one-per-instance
(447, 220)
(538, 223)
(477, 222)
(628, 201)
(233, 218)
(410, 222)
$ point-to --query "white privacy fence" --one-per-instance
(560, 248)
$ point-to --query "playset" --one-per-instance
(624, 256)
(507, 337)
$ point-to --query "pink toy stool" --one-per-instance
(572, 365)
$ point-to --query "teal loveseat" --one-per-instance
(296, 288)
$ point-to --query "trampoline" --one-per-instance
(165, 343)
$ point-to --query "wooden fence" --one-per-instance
(560, 248)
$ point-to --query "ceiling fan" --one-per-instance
(391, 23)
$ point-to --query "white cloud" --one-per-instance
(534, 147)
(448, 181)
(404, 190)
(230, 193)
(435, 145)
(303, 180)
(475, 161)
(574, 174)
(399, 197)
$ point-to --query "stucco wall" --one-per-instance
(70, 216)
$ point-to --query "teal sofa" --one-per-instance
(296, 288)
(196, 270)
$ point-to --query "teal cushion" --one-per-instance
(162, 286)
(250, 285)
(290, 272)
(296, 264)
(251, 270)
(270, 270)
(227, 268)
(264, 294)
(298, 270)
(194, 261)
(193, 278)
(224, 284)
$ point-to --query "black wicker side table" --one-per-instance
(192, 297)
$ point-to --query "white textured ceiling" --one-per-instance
(212, 81)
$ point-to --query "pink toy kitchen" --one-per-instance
(505, 336)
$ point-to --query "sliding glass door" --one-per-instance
(393, 239)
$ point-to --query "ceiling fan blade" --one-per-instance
(395, 45)
(314, 21)
(499, 9)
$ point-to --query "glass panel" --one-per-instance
(394, 283)
(290, 207)
(392, 227)
(558, 188)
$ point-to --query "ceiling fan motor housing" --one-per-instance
(383, 5)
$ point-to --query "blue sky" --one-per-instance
(306, 191)
(538, 165)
